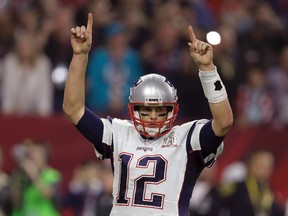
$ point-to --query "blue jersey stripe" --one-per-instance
(194, 167)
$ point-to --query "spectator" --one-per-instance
(254, 104)
(114, 67)
(253, 195)
(105, 16)
(165, 54)
(261, 41)
(105, 199)
(83, 190)
(278, 83)
(204, 194)
(234, 172)
(26, 82)
(226, 54)
(162, 53)
(59, 51)
(35, 184)
(8, 25)
(132, 13)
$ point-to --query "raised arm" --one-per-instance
(74, 94)
(214, 90)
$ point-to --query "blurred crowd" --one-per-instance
(33, 186)
(134, 37)
(244, 189)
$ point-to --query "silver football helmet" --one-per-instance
(153, 90)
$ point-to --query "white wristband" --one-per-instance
(213, 86)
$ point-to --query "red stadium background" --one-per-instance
(69, 147)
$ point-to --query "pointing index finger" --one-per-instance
(191, 34)
(90, 22)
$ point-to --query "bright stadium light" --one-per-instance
(59, 75)
(213, 37)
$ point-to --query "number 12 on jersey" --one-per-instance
(141, 183)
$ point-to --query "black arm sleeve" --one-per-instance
(91, 127)
(208, 140)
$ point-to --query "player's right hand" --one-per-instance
(81, 37)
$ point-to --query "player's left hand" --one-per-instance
(201, 52)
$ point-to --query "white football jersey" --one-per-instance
(154, 177)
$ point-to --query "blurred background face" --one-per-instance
(62, 24)
(118, 41)
(91, 171)
(38, 155)
(261, 166)
(167, 35)
(26, 47)
(256, 77)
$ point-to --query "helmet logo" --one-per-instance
(153, 100)
(169, 83)
(133, 87)
(137, 83)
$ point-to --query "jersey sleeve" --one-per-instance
(203, 139)
(93, 128)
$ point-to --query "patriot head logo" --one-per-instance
(218, 85)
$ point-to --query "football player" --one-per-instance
(155, 164)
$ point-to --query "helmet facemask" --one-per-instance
(153, 90)
(153, 129)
